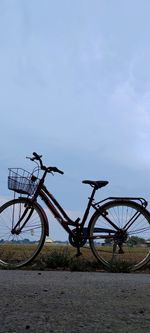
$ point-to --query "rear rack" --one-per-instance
(142, 201)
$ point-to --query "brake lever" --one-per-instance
(54, 169)
(30, 158)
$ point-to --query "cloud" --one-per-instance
(3, 199)
(75, 85)
(130, 117)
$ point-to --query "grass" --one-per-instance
(63, 257)
(120, 267)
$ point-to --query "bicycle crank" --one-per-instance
(79, 239)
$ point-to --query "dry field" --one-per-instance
(58, 256)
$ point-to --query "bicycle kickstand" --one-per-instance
(79, 253)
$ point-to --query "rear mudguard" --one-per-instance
(101, 209)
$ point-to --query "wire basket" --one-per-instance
(22, 181)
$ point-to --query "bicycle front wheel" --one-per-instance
(22, 232)
(118, 235)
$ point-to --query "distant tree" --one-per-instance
(108, 240)
(134, 240)
(25, 240)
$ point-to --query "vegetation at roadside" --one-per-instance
(64, 258)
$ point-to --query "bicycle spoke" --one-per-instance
(20, 242)
(128, 243)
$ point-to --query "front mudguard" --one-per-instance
(46, 224)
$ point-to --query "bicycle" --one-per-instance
(116, 232)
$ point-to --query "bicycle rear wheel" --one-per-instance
(22, 232)
(118, 235)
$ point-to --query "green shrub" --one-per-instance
(58, 259)
(120, 267)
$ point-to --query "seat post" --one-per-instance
(89, 205)
(92, 194)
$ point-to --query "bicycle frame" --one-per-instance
(65, 221)
(59, 213)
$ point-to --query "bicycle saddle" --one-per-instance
(96, 183)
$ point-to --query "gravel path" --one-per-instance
(73, 302)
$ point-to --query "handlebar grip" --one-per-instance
(54, 169)
(59, 171)
(37, 156)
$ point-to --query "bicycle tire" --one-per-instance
(19, 247)
(126, 247)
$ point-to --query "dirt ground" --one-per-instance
(73, 302)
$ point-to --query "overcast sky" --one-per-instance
(75, 87)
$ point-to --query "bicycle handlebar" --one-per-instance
(43, 167)
(36, 156)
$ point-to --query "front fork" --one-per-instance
(16, 230)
